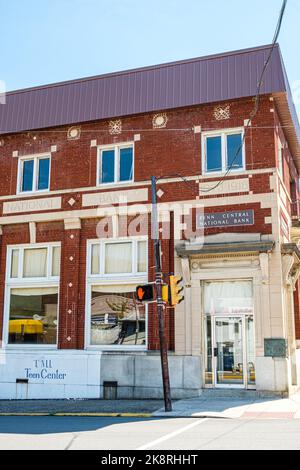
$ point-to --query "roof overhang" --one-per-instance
(289, 121)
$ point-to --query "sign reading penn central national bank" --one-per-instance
(225, 219)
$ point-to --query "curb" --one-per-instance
(103, 415)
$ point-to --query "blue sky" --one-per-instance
(45, 41)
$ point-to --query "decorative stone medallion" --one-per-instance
(160, 120)
(115, 127)
(74, 133)
(222, 112)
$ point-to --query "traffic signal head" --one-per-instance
(145, 293)
(175, 289)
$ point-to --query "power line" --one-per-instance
(95, 131)
(257, 99)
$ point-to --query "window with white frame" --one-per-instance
(115, 268)
(115, 163)
(32, 286)
(222, 150)
(34, 174)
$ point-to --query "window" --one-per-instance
(115, 268)
(228, 297)
(115, 164)
(31, 263)
(32, 287)
(33, 315)
(223, 150)
(116, 318)
(34, 174)
(118, 258)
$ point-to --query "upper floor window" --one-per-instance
(41, 262)
(223, 150)
(118, 257)
(115, 164)
(34, 174)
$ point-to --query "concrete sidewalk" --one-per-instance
(251, 406)
(236, 407)
(99, 407)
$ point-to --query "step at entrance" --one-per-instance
(238, 393)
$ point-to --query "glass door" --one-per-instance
(229, 352)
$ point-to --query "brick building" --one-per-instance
(75, 206)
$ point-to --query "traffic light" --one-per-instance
(145, 293)
(175, 289)
(165, 293)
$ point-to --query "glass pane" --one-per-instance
(56, 261)
(118, 258)
(250, 350)
(234, 151)
(229, 351)
(228, 297)
(126, 164)
(27, 179)
(214, 153)
(14, 263)
(117, 319)
(35, 262)
(142, 257)
(33, 316)
(43, 177)
(208, 349)
(108, 166)
(95, 262)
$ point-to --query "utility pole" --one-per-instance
(160, 304)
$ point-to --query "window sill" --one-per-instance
(33, 193)
(28, 347)
(117, 184)
(116, 348)
(238, 172)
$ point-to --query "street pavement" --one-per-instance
(112, 433)
(203, 423)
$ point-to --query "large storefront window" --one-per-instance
(33, 316)
(115, 268)
(116, 318)
(32, 286)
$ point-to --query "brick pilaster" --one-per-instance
(69, 286)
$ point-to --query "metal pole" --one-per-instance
(160, 305)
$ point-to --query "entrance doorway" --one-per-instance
(229, 338)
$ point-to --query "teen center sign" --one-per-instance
(225, 219)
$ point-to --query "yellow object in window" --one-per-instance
(25, 327)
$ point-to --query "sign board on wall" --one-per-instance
(226, 219)
(32, 205)
(275, 347)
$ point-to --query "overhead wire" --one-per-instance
(257, 100)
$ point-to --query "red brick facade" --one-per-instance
(175, 150)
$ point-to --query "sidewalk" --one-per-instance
(135, 408)
(229, 407)
(250, 407)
